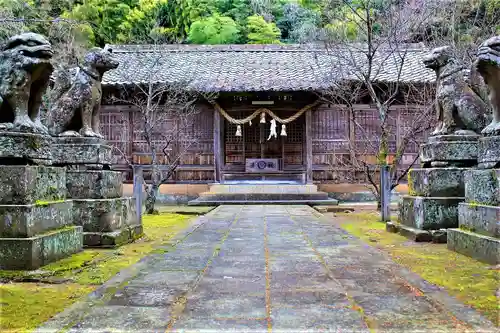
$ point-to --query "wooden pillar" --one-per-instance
(308, 147)
(130, 143)
(218, 151)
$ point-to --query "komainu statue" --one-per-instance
(488, 65)
(459, 106)
(25, 71)
(76, 96)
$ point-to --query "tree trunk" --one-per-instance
(151, 194)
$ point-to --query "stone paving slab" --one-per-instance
(267, 269)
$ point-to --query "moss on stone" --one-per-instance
(27, 305)
(469, 280)
(42, 203)
(411, 188)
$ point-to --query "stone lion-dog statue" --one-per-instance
(488, 65)
(460, 107)
(25, 71)
(76, 96)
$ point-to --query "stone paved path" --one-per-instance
(269, 269)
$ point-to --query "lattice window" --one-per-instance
(331, 123)
(233, 144)
(114, 127)
(367, 131)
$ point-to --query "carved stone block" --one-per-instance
(477, 246)
(34, 252)
(450, 150)
(94, 184)
(81, 151)
(437, 182)
(112, 239)
(104, 215)
(429, 213)
(482, 187)
(489, 152)
(34, 148)
(30, 220)
(480, 218)
(22, 185)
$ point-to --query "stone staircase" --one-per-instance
(261, 194)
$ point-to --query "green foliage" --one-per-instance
(298, 24)
(215, 29)
(262, 32)
(255, 21)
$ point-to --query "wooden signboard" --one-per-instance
(261, 165)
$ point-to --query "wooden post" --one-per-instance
(308, 145)
(138, 183)
(385, 193)
(217, 147)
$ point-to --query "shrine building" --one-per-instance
(311, 139)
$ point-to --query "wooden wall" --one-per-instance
(332, 130)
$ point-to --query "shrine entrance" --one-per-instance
(250, 154)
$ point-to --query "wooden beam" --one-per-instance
(218, 157)
(130, 143)
(308, 147)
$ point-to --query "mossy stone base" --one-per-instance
(437, 182)
(429, 213)
(35, 148)
(480, 218)
(22, 185)
(104, 215)
(32, 253)
(450, 150)
(81, 150)
(480, 247)
(489, 152)
(482, 187)
(30, 220)
(94, 184)
(112, 239)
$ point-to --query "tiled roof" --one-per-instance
(257, 67)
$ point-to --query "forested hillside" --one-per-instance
(234, 21)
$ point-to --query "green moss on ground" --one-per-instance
(25, 305)
(472, 282)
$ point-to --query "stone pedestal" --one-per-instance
(107, 218)
(36, 223)
(478, 233)
(437, 189)
(93, 153)
(489, 152)
(25, 148)
(450, 150)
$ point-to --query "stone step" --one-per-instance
(263, 188)
(481, 247)
(198, 202)
(40, 250)
(479, 218)
(262, 196)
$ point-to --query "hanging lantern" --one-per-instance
(263, 118)
(238, 130)
(283, 130)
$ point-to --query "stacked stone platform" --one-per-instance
(478, 233)
(437, 189)
(37, 225)
(260, 194)
(107, 218)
